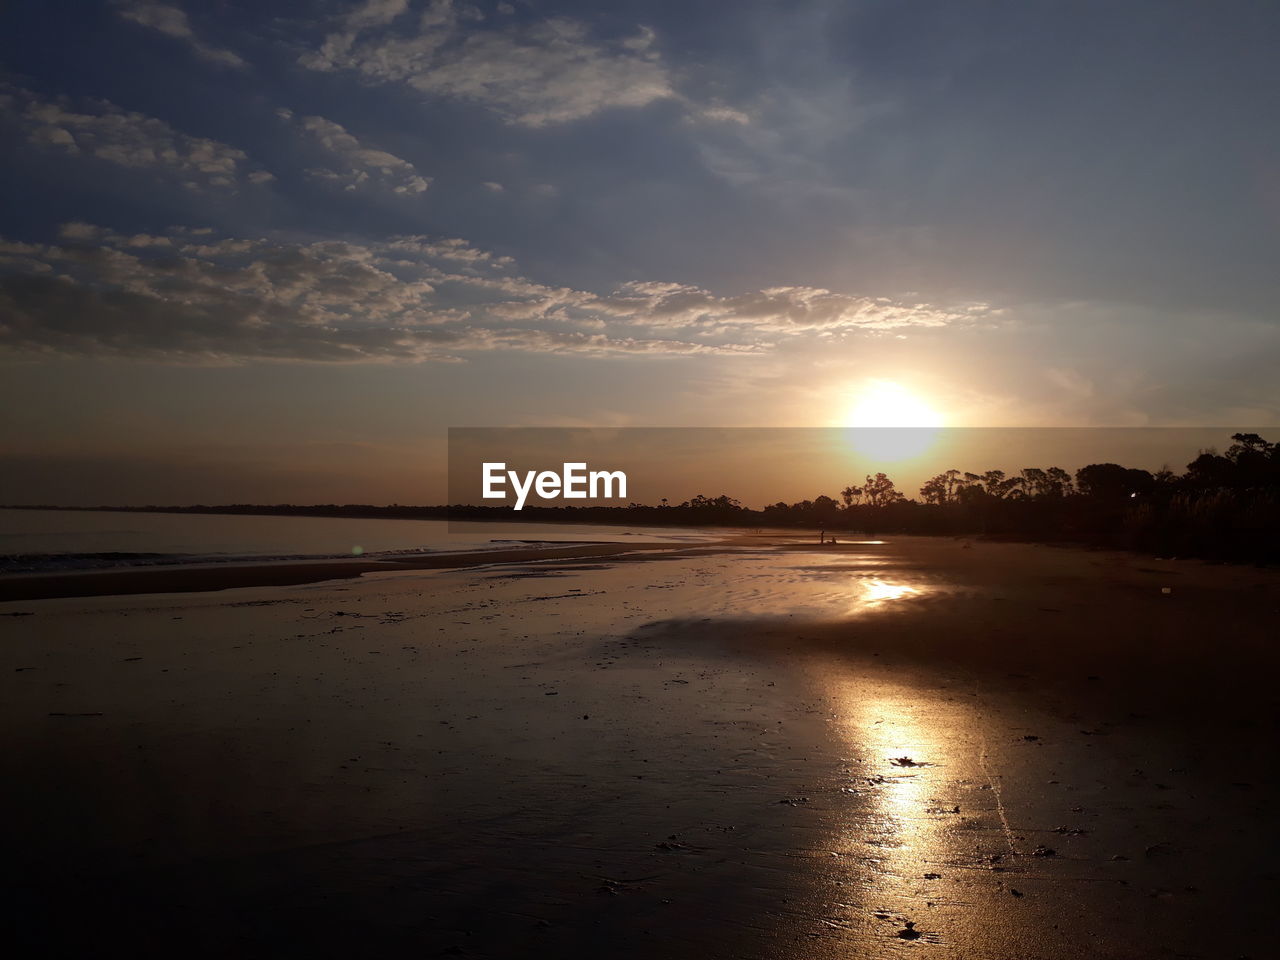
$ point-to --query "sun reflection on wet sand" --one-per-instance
(900, 840)
(868, 594)
(901, 748)
(880, 591)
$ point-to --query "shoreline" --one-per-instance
(249, 573)
(202, 578)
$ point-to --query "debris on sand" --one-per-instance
(909, 931)
(672, 843)
(1070, 831)
(1043, 851)
(611, 887)
(933, 876)
(793, 801)
(904, 762)
(1016, 893)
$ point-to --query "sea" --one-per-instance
(33, 541)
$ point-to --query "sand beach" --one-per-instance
(764, 748)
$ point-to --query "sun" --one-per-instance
(883, 403)
(889, 423)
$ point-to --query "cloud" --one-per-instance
(719, 113)
(106, 132)
(450, 248)
(172, 22)
(779, 310)
(200, 299)
(532, 74)
(358, 165)
(192, 296)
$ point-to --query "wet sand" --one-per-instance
(768, 750)
(201, 578)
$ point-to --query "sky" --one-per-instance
(273, 251)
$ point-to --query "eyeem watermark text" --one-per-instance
(573, 482)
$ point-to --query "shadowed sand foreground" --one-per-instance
(770, 749)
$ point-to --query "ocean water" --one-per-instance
(37, 540)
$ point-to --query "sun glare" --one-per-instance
(888, 422)
(883, 403)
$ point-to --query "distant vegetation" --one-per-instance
(1223, 507)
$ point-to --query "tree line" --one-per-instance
(1222, 507)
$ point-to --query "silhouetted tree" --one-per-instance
(1035, 482)
(1210, 470)
(879, 491)
(945, 487)
(934, 490)
(825, 510)
(1256, 461)
(1110, 481)
(1060, 482)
